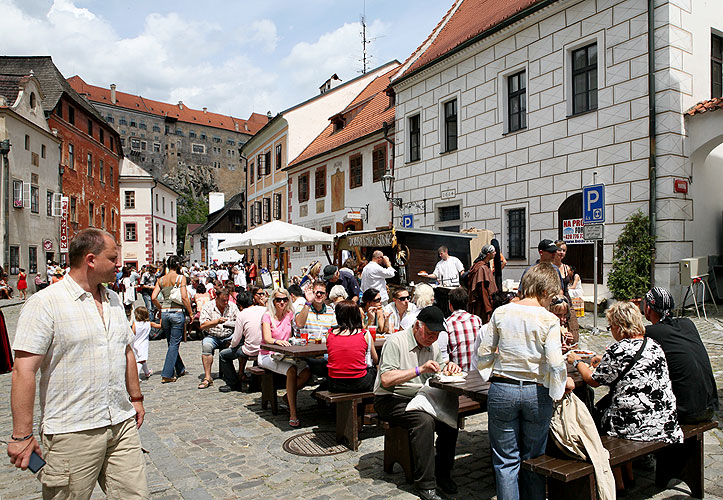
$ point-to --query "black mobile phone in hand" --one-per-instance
(36, 463)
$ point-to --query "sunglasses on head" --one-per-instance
(260, 293)
(406, 297)
(377, 299)
(281, 299)
(559, 300)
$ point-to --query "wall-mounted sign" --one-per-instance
(64, 224)
(449, 194)
(384, 239)
(572, 232)
(680, 186)
(47, 245)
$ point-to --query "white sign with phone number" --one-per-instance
(572, 232)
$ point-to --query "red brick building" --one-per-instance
(90, 149)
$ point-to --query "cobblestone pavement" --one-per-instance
(207, 445)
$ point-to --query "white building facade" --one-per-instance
(502, 131)
(29, 225)
(148, 217)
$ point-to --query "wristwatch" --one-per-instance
(576, 362)
(137, 399)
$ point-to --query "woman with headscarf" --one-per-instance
(481, 284)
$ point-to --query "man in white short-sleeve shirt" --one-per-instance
(76, 331)
(448, 269)
(375, 274)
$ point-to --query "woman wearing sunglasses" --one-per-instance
(372, 312)
(276, 329)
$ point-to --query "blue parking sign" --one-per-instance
(593, 204)
(408, 221)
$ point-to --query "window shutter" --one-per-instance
(57, 205)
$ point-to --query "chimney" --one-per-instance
(235, 126)
(215, 202)
(205, 110)
(112, 93)
(180, 104)
(246, 126)
(268, 114)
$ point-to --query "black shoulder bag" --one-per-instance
(605, 402)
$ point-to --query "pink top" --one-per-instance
(280, 330)
(347, 355)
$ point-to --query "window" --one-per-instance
(216, 139)
(257, 207)
(142, 126)
(278, 156)
(112, 144)
(110, 176)
(320, 182)
(90, 127)
(163, 230)
(449, 218)
(133, 123)
(157, 205)
(179, 132)
(14, 259)
(73, 209)
(130, 199)
(414, 138)
(91, 214)
(230, 142)
(327, 230)
(516, 102)
(49, 203)
(163, 204)
(156, 147)
(450, 125)
(198, 149)
(17, 194)
(379, 163)
(122, 121)
(35, 199)
(102, 217)
(191, 134)
(131, 231)
(203, 136)
(156, 128)
(304, 187)
(716, 66)
(584, 79)
(101, 136)
(157, 237)
(27, 142)
(101, 171)
(71, 115)
(516, 233)
(59, 110)
(90, 165)
(112, 219)
(71, 156)
(109, 119)
(171, 209)
(261, 170)
(267, 209)
(135, 144)
(277, 206)
(267, 161)
(32, 260)
(43, 151)
(356, 172)
(251, 172)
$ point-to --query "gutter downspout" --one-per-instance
(652, 166)
(153, 227)
(386, 127)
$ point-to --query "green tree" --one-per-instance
(191, 210)
(633, 255)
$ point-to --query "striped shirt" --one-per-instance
(462, 328)
(82, 375)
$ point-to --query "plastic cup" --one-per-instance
(305, 337)
(373, 331)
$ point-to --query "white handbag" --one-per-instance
(176, 296)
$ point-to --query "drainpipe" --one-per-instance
(386, 127)
(652, 167)
(153, 227)
(4, 151)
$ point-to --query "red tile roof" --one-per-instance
(365, 115)
(137, 103)
(471, 18)
(705, 106)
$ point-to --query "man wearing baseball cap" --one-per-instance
(408, 359)
(547, 250)
(332, 277)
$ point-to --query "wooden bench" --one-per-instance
(348, 421)
(242, 378)
(268, 391)
(397, 447)
(569, 478)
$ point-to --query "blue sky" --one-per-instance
(233, 57)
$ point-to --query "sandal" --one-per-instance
(294, 422)
(205, 383)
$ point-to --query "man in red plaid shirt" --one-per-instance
(462, 328)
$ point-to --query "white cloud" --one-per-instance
(262, 32)
(339, 51)
(171, 59)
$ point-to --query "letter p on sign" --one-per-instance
(593, 210)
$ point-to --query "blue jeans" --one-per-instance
(519, 420)
(172, 325)
(210, 344)
(148, 304)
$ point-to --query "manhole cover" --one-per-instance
(314, 444)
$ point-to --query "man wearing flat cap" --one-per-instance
(332, 277)
(408, 359)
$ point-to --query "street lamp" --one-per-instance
(388, 188)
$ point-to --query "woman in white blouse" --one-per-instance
(522, 357)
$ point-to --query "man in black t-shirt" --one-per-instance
(688, 362)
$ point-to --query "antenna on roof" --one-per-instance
(366, 59)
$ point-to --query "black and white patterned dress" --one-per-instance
(643, 405)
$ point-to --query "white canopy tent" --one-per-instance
(277, 234)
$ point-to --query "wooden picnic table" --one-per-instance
(474, 388)
(310, 350)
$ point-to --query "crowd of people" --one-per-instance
(659, 376)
